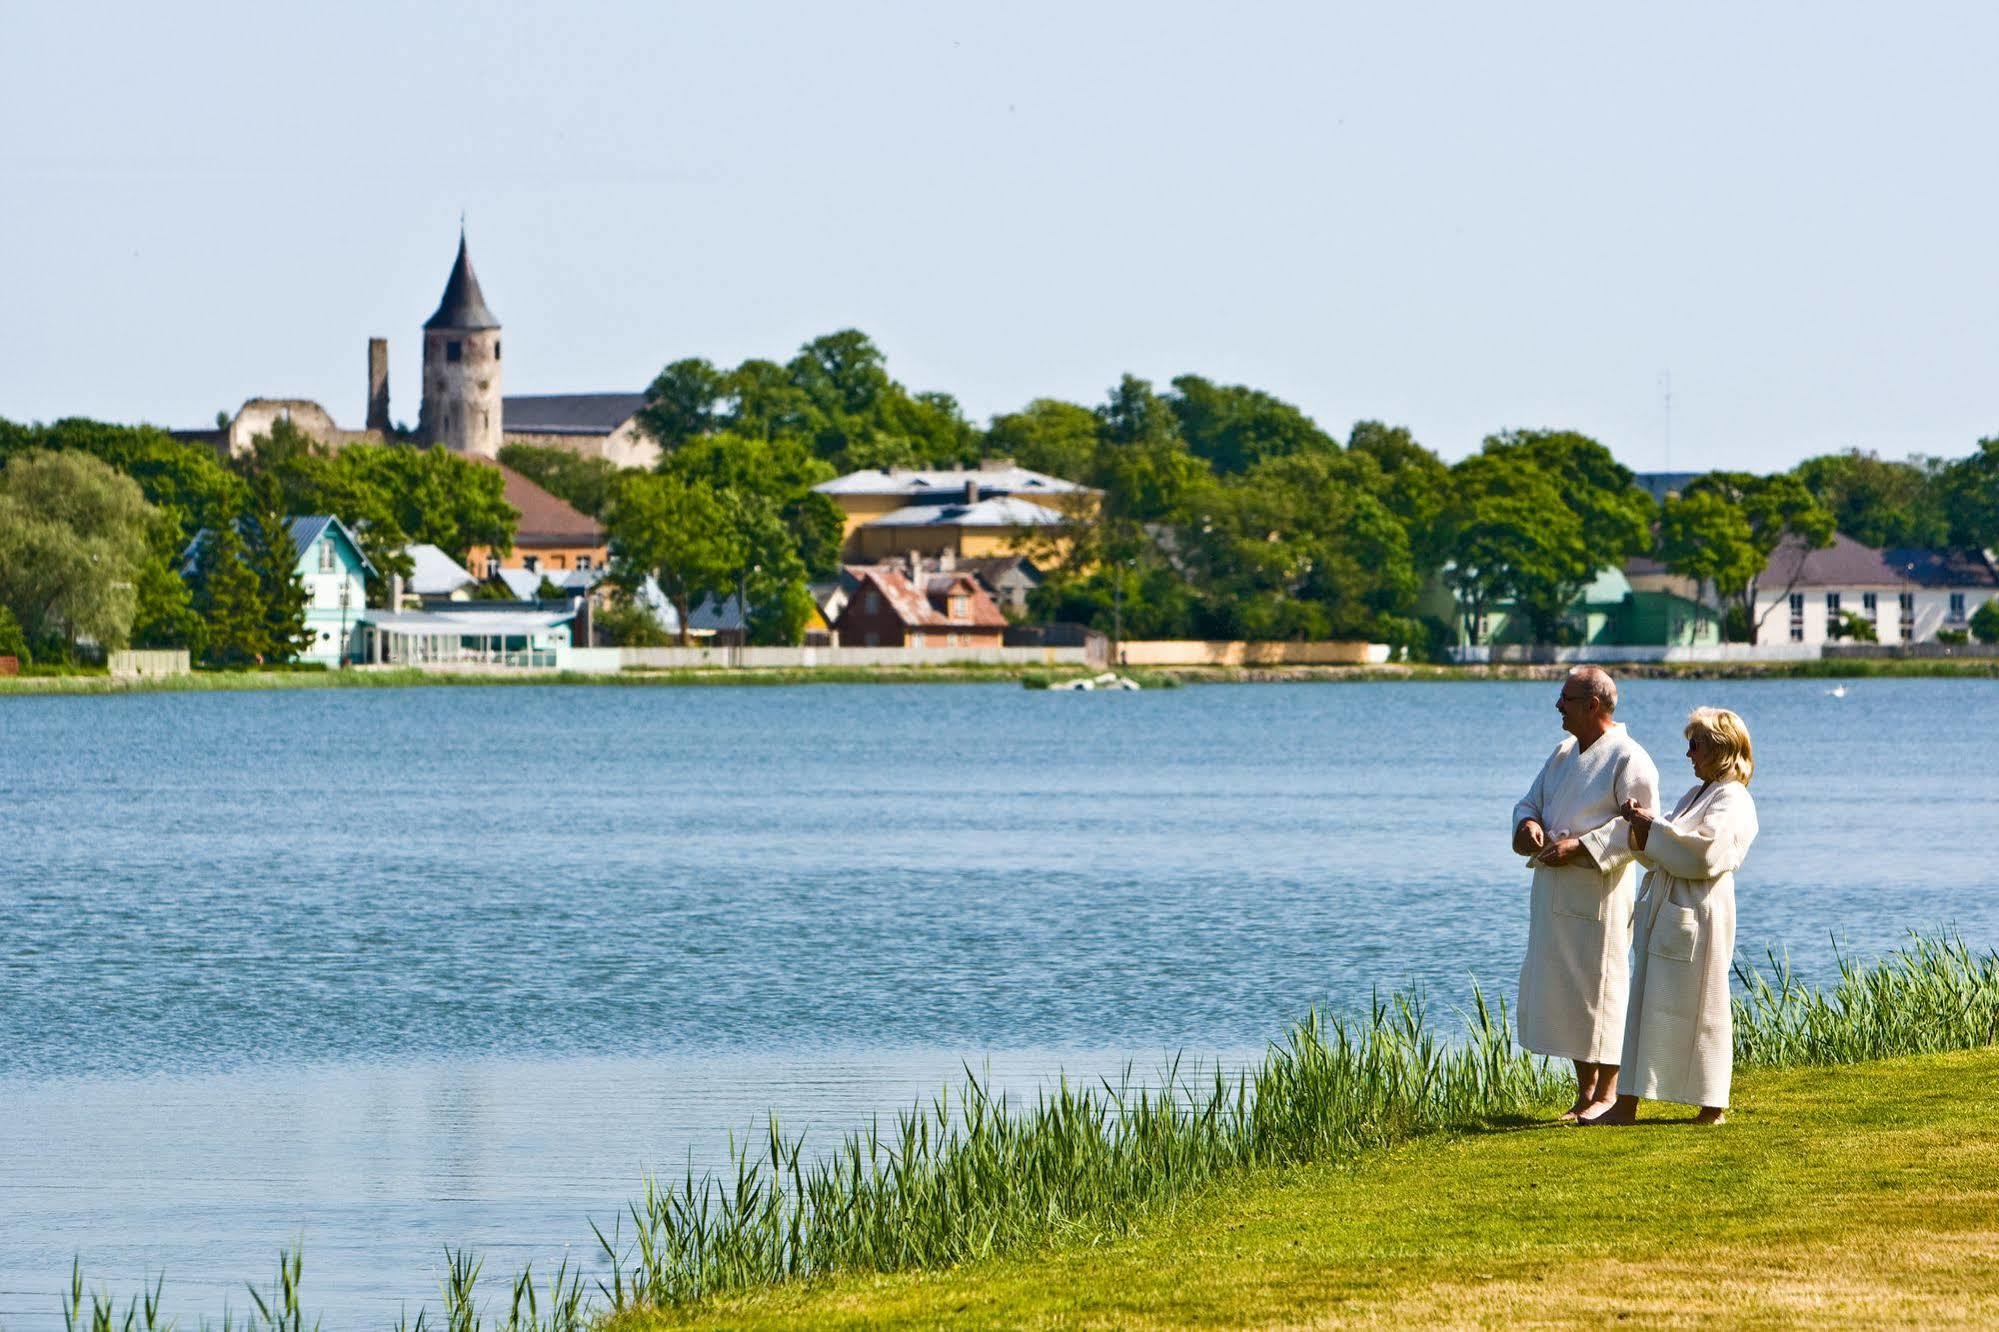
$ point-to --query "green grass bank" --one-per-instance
(1856, 1195)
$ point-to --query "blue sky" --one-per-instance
(1461, 218)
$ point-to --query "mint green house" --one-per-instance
(334, 573)
(1608, 612)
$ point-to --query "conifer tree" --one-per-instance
(272, 557)
(227, 598)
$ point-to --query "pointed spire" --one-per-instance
(464, 305)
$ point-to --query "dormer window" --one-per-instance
(327, 563)
(454, 350)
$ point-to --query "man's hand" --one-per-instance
(1562, 852)
(1529, 838)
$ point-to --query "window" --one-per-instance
(532, 563)
(327, 562)
(1867, 604)
(583, 561)
(1908, 605)
(961, 608)
(496, 349)
(1831, 604)
(492, 566)
(555, 561)
(454, 350)
(1957, 608)
(873, 604)
(1797, 617)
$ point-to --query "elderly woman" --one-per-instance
(1678, 1045)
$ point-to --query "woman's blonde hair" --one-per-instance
(1730, 737)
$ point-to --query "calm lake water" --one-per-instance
(390, 970)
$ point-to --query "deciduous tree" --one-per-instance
(74, 536)
(1725, 526)
(677, 533)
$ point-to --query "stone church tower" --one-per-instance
(461, 367)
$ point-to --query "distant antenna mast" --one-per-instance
(1666, 401)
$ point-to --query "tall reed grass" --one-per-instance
(973, 1174)
(1932, 995)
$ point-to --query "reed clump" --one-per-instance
(979, 1175)
(1933, 995)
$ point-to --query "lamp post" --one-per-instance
(346, 594)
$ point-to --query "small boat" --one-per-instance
(1837, 691)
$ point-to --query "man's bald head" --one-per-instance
(1598, 683)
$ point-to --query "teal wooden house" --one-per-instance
(334, 573)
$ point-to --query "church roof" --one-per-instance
(569, 413)
(464, 305)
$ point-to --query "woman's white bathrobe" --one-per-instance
(1678, 1045)
(1577, 970)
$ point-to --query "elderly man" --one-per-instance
(1576, 976)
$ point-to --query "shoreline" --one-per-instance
(1157, 677)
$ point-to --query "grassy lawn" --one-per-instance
(1859, 1195)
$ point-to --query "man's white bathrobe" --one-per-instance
(1574, 980)
(1678, 1044)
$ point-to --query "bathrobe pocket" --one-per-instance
(1578, 893)
(1675, 935)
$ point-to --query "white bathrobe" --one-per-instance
(1678, 1045)
(1576, 973)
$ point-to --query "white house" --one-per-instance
(1908, 594)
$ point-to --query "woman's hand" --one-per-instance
(1640, 819)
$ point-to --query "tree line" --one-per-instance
(98, 528)
(1225, 512)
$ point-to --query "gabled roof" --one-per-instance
(307, 528)
(1961, 566)
(999, 480)
(464, 305)
(1845, 563)
(990, 568)
(434, 573)
(569, 413)
(304, 530)
(545, 520)
(930, 607)
(1006, 511)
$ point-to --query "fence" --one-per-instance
(143, 665)
(1920, 651)
(1214, 652)
(769, 658)
(1605, 654)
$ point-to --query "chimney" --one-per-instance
(947, 560)
(916, 569)
(972, 490)
(378, 384)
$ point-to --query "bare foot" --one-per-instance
(1711, 1114)
(1614, 1114)
(1574, 1112)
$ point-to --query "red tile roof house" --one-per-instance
(885, 608)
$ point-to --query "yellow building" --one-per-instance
(994, 509)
